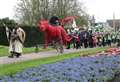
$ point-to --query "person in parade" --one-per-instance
(103, 40)
(113, 36)
(16, 40)
(90, 39)
(118, 39)
(109, 39)
(85, 36)
(54, 20)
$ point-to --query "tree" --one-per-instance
(31, 11)
(9, 22)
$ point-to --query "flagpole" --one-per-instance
(114, 21)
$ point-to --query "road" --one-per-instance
(31, 56)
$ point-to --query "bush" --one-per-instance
(33, 36)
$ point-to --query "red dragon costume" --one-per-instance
(53, 33)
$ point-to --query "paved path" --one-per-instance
(6, 60)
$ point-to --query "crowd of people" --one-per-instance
(86, 38)
(81, 38)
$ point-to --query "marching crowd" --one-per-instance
(80, 38)
(86, 38)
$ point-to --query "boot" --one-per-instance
(11, 56)
(18, 54)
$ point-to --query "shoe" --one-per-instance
(18, 55)
(68, 48)
(11, 56)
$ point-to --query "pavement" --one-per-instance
(31, 56)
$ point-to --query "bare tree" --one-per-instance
(31, 11)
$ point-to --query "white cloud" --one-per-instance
(7, 8)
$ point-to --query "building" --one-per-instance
(115, 23)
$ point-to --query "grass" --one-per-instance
(4, 50)
(10, 69)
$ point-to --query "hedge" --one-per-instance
(33, 36)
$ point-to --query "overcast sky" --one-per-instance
(7, 8)
(102, 9)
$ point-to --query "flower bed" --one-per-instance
(116, 78)
(110, 51)
(113, 51)
(83, 69)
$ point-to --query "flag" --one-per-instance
(68, 19)
(7, 31)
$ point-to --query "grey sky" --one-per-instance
(102, 9)
(7, 8)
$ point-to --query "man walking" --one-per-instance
(16, 40)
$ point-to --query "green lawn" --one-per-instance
(11, 69)
(4, 50)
